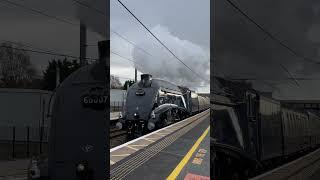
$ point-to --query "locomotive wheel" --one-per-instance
(165, 119)
(169, 117)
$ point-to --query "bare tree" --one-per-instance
(16, 69)
(115, 82)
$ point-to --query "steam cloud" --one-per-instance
(242, 50)
(163, 65)
(96, 17)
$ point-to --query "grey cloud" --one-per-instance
(21, 25)
(242, 50)
(187, 23)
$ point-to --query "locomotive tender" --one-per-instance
(155, 103)
(255, 133)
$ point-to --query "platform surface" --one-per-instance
(15, 169)
(305, 167)
(181, 154)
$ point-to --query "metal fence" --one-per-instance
(22, 142)
(117, 106)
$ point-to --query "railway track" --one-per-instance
(117, 137)
(114, 133)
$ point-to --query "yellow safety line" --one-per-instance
(174, 174)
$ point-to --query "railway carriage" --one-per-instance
(253, 133)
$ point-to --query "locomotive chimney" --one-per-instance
(101, 69)
(104, 47)
(146, 79)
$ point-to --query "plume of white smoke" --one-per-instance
(95, 15)
(161, 64)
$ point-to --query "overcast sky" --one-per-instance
(38, 31)
(183, 25)
(241, 50)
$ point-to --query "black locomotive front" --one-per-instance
(152, 104)
(139, 109)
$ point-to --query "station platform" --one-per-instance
(306, 167)
(179, 151)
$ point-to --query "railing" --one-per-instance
(22, 142)
(117, 106)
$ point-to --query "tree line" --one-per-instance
(17, 71)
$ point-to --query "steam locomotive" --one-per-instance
(253, 133)
(78, 127)
(154, 103)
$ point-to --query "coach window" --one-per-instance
(298, 124)
(294, 125)
(287, 123)
(291, 125)
(285, 115)
(303, 124)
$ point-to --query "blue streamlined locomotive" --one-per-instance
(155, 103)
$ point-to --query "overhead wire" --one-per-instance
(81, 3)
(33, 10)
(45, 52)
(40, 12)
(145, 27)
(132, 43)
(125, 58)
(270, 35)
